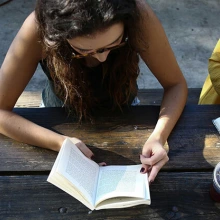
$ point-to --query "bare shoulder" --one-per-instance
(28, 36)
(146, 12)
(20, 62)
(31, 20)
(142, 4)
(157, 52)
(149, 25)
(30, 25)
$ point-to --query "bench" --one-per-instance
(32, 99)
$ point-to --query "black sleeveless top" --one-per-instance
(97, 84)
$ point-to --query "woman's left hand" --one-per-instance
(153, 158)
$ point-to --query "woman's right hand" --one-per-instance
(82, 147)
(85, 150)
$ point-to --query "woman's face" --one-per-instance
(88, 44)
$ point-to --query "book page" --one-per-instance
(120, 181)
(61, 182)
(79, 170)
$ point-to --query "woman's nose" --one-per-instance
(101, 57)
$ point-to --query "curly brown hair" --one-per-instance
(59, 20)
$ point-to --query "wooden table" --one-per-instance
(180, 191)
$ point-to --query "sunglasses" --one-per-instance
(101, 50)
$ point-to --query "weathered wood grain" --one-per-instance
(154, 96)
(118, 138)
(180, 191)
(29, 99)
(174, 196)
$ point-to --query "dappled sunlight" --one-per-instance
(211, 150)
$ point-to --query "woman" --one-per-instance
(86, 48)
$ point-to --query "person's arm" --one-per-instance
(160, 59)
(17, 69)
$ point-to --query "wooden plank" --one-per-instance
(174, 196)
(117, 139)
(154, 96)
(32, 99)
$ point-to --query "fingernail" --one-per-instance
(142, 170)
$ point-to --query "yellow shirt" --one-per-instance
(210, 93)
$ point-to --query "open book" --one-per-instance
(98, 187)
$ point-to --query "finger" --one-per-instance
(146, 153)
(82, 147)
(85, 150)
(154, 158)
(102, 164)
(156, 168)
(144, 168)
(153, 173)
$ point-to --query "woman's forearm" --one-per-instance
(22, 130)
(171, 108)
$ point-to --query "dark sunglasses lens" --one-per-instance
(102, 50)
